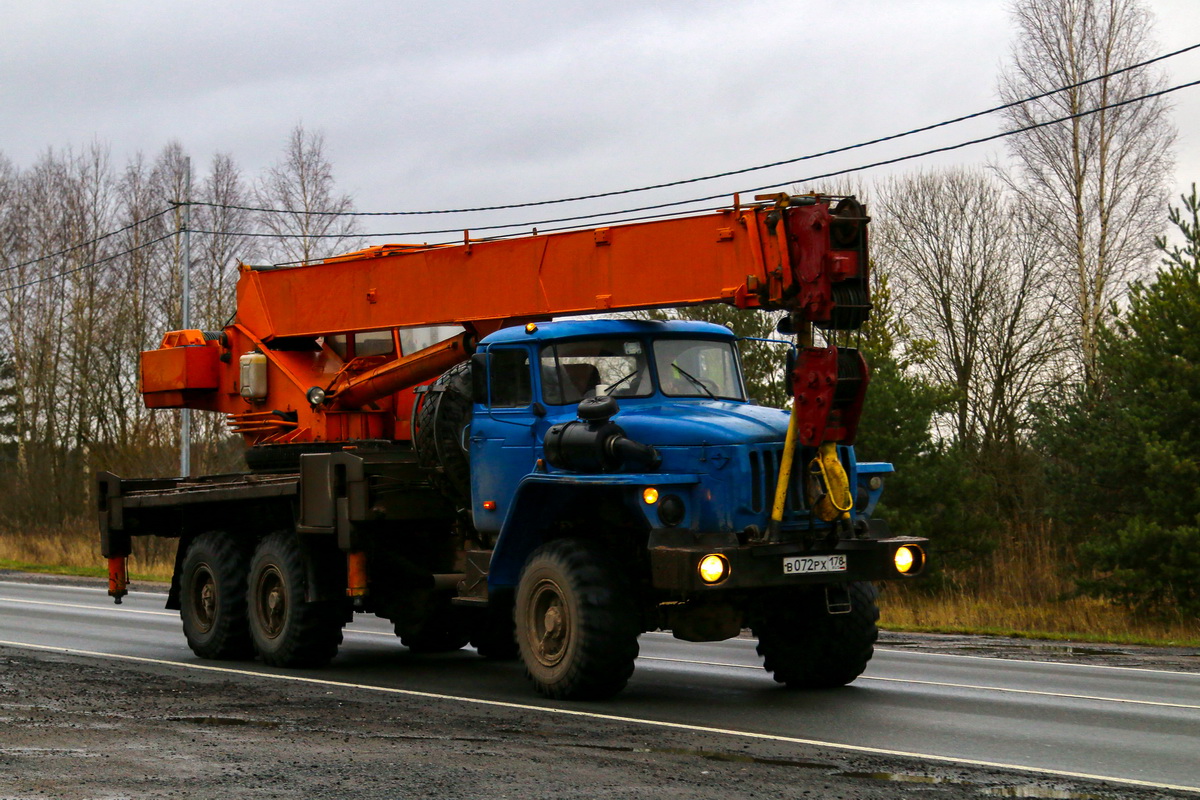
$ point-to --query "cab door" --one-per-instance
(502, 436)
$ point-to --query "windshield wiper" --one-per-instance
(619, 381)
(696, 381)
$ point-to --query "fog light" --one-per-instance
(650, 496)
(909, 559)
(714, 568)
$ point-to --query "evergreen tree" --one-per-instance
(1132, 444)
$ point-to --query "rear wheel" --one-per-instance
(494, 634)
(443, 631)
(212, 598)
(287, 630)
(806, 647)
(577, 625)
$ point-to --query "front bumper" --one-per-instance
(757, 566)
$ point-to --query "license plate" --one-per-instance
(800, 565)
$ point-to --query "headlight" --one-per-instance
(909, 559)
(714, 568)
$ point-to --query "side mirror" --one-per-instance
(479, 378)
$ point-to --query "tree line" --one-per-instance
(1035, 328)
(77, 305)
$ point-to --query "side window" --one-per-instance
(511, 387)
(373, 343)
(414, 339)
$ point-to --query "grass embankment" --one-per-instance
(1024, 589)
(74, 549)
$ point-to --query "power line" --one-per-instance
(89, 242)
(725, 195)
(89, 265)
(656, 207)
(717, 175)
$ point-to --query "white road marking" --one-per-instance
(1063, 664)
(949, 685)
(1041, 663)
(173, 614)
(606, 717)
(85, 607)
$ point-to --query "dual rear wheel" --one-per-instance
(234, 605)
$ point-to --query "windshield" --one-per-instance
(698, 368)
(572, 371)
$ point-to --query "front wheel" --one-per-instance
(577, 625)
(288, 631)
(806, 647)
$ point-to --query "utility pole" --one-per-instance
(185, 414)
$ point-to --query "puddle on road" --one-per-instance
(1029, 791)
(712, 755)
(900, 777)
(1036, 792)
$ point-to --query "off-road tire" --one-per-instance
(806, 647)
(444, 411)
(577, 625)
(444, 631)
(212, 598)
(494, 635)
(287, 630)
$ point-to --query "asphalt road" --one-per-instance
(1133, 726)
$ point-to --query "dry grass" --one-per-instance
(74, 549)
(1025, 589)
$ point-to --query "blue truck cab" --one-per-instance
(641, 434)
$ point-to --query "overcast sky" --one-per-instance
(429, 105)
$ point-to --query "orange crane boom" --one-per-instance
(805, 255)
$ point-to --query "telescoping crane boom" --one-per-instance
(473, 485)
(800, 255)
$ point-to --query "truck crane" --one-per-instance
(434, 436)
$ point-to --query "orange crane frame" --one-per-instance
(805, 255)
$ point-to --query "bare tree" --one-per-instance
(1098, 179)
(216, 273)
(301, 187)
(969, 273)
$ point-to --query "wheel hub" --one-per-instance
(550, 634)
(271, 602)
(205, 594)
